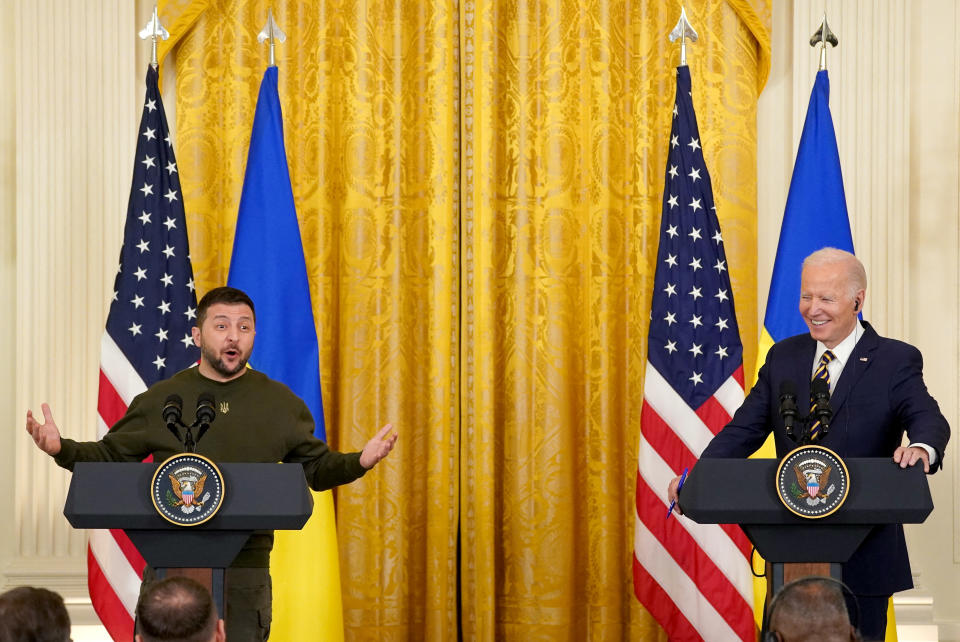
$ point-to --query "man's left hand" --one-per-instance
(910, 455)
(378, 447)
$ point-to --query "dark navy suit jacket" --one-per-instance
(880, 394)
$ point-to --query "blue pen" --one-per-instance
(683, 478)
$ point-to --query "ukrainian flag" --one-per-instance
(815, 217)
(268, 264)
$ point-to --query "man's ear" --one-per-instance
(858, 298)
(221, 635)
(195, 333)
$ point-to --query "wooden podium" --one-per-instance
(256, 497)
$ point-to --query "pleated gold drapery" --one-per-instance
(478, 185)
(572, 106)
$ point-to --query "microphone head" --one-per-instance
(206, 411)
(788, 405)
(788, 388)
(172, 408)
(820, 395)
(820, 388)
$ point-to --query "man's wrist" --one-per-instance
(930, 451)
(65, 458)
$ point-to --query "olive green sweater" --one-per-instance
(258, 420)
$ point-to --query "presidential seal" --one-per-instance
(812, 481)
(187, 489)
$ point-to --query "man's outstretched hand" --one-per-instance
(45, 435)
(375, 450)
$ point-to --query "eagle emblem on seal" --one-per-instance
(186, 489)
(813, 480)
(813, 485)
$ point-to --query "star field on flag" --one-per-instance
(694, 338)
(154, 302)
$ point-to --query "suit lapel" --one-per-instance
(860, 359)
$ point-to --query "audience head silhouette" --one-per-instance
(177, 609)
(810, 609)
(29, 614)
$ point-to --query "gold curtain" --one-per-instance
(572, 106)
(478, 185)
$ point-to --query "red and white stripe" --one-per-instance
(694, 578)
(114, 566)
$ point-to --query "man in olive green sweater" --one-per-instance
(261, 421)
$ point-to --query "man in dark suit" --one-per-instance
(877, 394)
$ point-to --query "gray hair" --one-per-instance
(856, 274)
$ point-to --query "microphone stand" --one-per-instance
(188, 443)
(204, 417)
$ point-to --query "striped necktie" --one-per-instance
(823, 374)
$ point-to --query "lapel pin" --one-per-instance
(863, 358)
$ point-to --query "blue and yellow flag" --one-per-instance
(268, 264)
(815, 217)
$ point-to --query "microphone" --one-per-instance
(788, 406)
(206, 412)
(172, 410)
(820, 396)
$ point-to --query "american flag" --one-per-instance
(694, 579)
(147, 336)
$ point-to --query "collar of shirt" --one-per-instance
(841, 352)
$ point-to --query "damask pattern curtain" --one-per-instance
(478, 185)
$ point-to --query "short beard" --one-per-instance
(217, 364)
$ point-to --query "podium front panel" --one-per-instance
(189, 548)
(743, 491)
(807, 542)
(256, 497)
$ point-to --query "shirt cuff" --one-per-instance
(930, 451)
(66, 458)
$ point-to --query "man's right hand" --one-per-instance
(45, 435)
(672, 493)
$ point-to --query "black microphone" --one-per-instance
(206, 412)
(820, 396)
(788, 406)
(172, 410)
